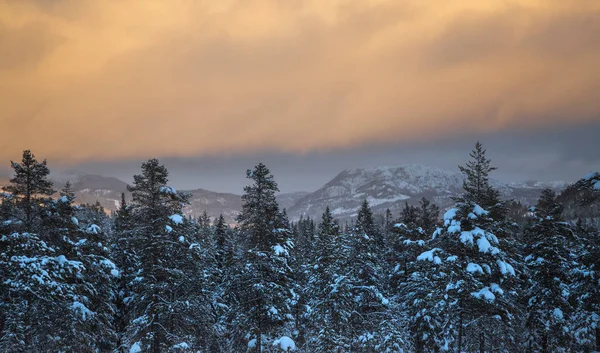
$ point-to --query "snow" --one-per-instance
(429, 256)
(484, 293)
(484, 245)
(181, 239)
(82, 309)
(75, 221)
(136, 348)
(182, 345)
(478, 210)
(558, 314)
(496, 288)
(474, 268)
(252, 343)
(115, 273)
(168, 190)
(591, 176)
(94, 229)
(168, 228)
(285, 343)
(466, 237)
(597, 185)
(505, 268)
(273, 311)
(452, 258)
(449, 215)
(454, 227)
(279, 250)
(176, 218)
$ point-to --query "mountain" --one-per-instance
(384, 187)
(287, 200)
(214, 203)
(90, 188)
(391, 186)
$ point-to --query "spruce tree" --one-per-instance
(167, 310)
(468, 255)
(29, 188)
(330, 291)
(265, 282)
(549, 259)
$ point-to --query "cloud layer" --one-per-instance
(108, 79)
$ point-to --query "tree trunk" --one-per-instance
(545, 343)
(460, 332)
(259, 336)
(482, 343)
(598, 337)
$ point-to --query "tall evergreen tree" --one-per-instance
(330, 292)
(549, 263)
(167, 310)
(265, 283)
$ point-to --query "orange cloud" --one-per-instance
(93, 80)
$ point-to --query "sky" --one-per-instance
(309, 87)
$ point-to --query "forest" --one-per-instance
(487, 275)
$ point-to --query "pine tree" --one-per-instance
(330, 291)
(475, 264)
(265, 282)
(371, 320)
(29, 188)
(39, 281)
(166, 308)
(477, 183)
(549, 239)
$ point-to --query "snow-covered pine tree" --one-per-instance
(75, 232)
(372, 323)
(265, 284)
(479, 274)
(412, 231)
(587, 275)
(549, 263)
(124, 254)
(329, 290)
(29, 188)
(38, 280)
(586, 287)
(167, 305)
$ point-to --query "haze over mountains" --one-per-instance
(384, 187)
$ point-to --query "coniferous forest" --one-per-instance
(487, 275)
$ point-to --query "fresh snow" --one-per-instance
(136, 348)
(94, 229)
(279, 250)
(474, 268)
(558, 314)
(479, 211)
(82, 310)
(252, 343)
(182, 345)
(168, 190)
(176, 218)
(429, 256)
(484, 293)
(505, 268)
(285, 343)
(449, 215)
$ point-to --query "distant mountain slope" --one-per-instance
(392, 186)
(384, 187)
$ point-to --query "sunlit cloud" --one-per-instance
(106, 80)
